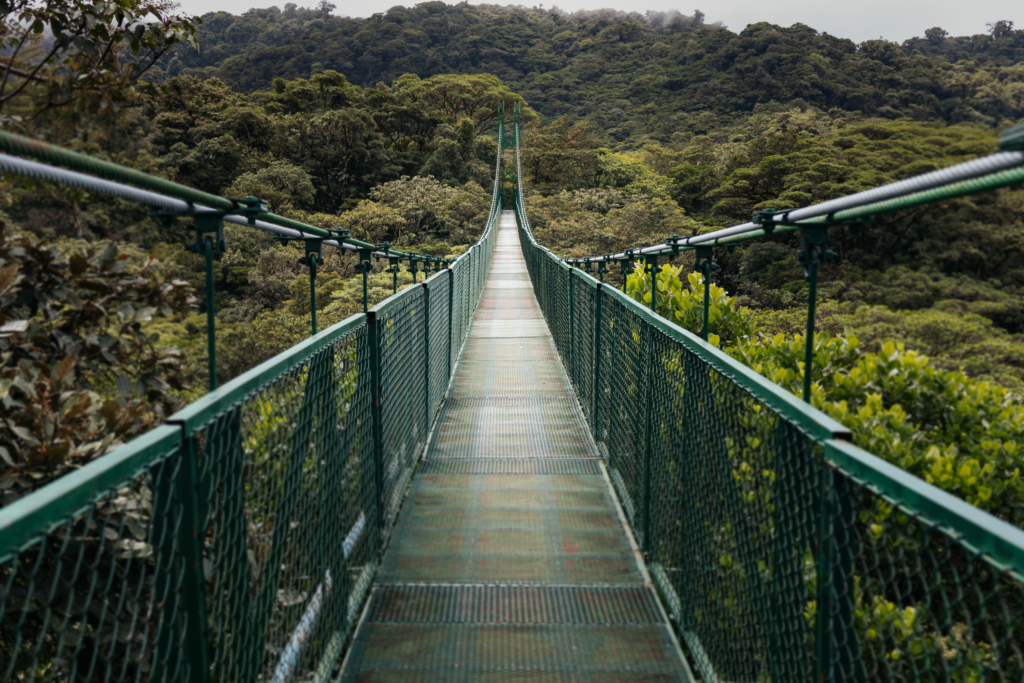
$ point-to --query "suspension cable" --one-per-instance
(988, 173)
(105, 177)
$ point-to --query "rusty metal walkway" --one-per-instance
(510, 560)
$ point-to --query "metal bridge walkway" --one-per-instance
(510, 560)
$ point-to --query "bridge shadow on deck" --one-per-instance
(509, 561)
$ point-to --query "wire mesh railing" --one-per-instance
(783, 552)
(238, 541)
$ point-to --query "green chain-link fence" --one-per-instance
(238, 541)
(783, 552)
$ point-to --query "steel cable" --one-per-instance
(1000, 169)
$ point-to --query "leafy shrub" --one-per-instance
(727, 322)
(958, 433)
(80, 371)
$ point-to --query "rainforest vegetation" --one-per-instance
(637, 127)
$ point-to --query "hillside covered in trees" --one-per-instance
(636, 77)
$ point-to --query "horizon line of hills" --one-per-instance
(635, 79)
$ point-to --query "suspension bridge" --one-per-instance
(511, 471)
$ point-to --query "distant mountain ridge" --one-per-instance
(634, 76)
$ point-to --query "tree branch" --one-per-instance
(14, 55)
(35, 72)
(24, 74)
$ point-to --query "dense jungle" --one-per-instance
(637, 127)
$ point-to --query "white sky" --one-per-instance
(894, 20)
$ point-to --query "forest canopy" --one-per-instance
(637, 77)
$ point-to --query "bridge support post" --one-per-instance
(209, 227)
(393, 265)
(365, 265)
(426, 362)
(813, 252)
(705, 265)
(183, 605)
(837, 647)
(597, 361)
(211, 307)
(210, 243)
(451, 297)
(373, 338)
(312, 259)
(572, 335)
(625, 266)
(651, 267)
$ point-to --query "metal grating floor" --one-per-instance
(509, 560)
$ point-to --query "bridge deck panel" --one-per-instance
(510, 560)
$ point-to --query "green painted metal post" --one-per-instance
(211, 320)
(451, 299)
(847, 664)
(707, 301)
(193, 595)
(393, 265)
(312, 294)
(823, 588)
(366, 265)
(812, 295)
(179, 574)
(812, 301)
(313, 258)
(705, 265)
(650, 265)
(373, 338)
(625, 265)
(813, 252)
(837, 646)
(166, 515)
(572, 336)
(426, 361)
(594, 412)
(209, 227)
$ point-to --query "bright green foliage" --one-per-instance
(630, 174)
(950, 340)
(727, 322)
(958, 433)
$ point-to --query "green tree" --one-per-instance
(480, 97)
(93, 56)
(283, 186)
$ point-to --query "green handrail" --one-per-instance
(784, 552)
(238, 540)
(19, 145)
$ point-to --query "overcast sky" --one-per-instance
(861, 20)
